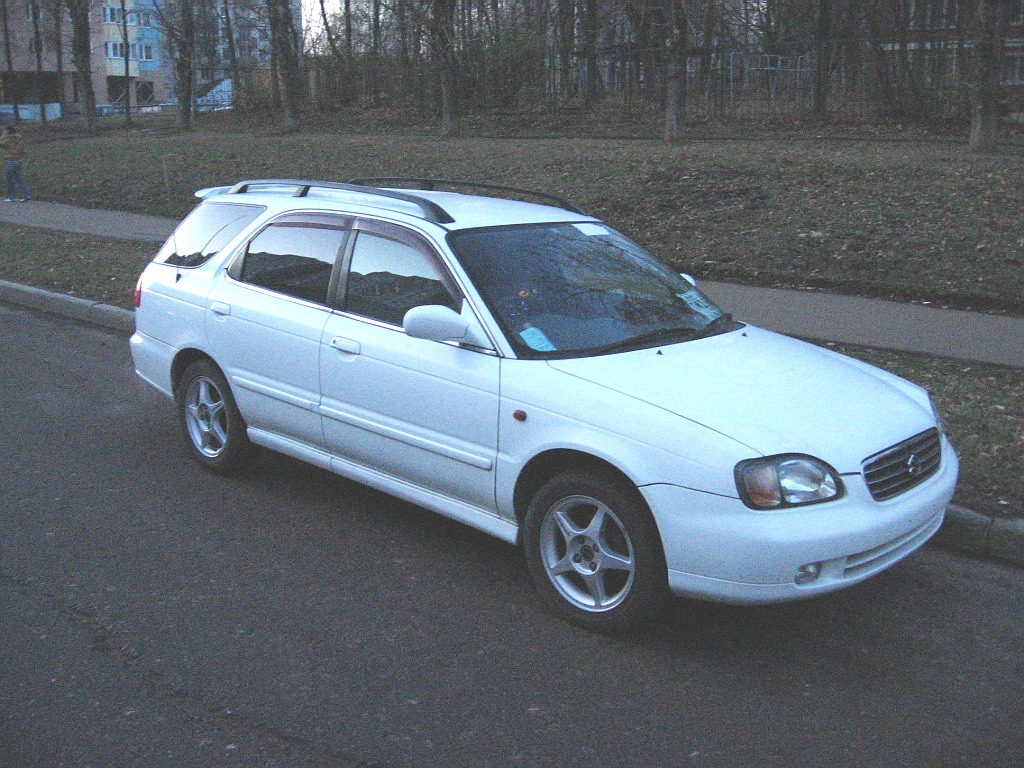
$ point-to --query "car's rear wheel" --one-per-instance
(593, 551)
(214, 429)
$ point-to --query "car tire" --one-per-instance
(214, 429)
(593, 551)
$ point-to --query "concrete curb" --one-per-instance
(964, 530)
(983, 536)
(94, 312)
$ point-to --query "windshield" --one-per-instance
(569, 290)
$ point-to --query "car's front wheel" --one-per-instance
(593, 551)
(213, 427)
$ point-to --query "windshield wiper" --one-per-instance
(718, 325)
(647, 339)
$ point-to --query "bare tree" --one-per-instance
(331, 41)
(34, 13)
(57, 9)
(284, 43)
(592, 87)
(233, 69)
(177, 21)
(821, 58)
(565, 31)
(13, 94)
(991, 18)
(676, 55)
(127, 63)
(443, 44)
(81, 57)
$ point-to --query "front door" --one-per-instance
(420, 411)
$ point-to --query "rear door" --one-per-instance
(266, 319)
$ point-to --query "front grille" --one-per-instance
(898, 469)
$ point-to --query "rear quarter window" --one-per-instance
(205, 231)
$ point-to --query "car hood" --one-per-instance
(772, 393)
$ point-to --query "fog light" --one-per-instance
(805, 574)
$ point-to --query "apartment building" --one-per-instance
(38, 68)
(129, 55)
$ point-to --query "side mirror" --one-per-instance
(437, 323)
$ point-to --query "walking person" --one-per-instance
(14, 161)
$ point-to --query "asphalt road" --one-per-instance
(154, 615)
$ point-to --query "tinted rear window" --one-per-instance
(205, 231)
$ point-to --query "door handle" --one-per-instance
(345, 345)
(220, 308)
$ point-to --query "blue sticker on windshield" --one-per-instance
(536, 340)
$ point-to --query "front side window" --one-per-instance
(293, 259)
(578, 289)
(205, 231)
(387, 278)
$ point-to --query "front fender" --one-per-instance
(543, 409)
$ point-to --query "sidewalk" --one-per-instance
(87, 221)
(808, 314)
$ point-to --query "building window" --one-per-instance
(34, 46)
(113, 15)
(143, 18)
(115, 50)
(33, 12)
(136, 52)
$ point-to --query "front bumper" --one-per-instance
(716, 548)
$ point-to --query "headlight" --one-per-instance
(786, 481)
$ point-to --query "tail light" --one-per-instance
(138, 292)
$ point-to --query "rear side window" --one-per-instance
(293, 259)
(205, 231)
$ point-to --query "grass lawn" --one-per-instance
(913, 220)
(97, 268)
(983, 405)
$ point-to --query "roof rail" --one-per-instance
(431, 211)
(431, 184)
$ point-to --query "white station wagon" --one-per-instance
(529, 371)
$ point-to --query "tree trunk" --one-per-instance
(565, 35)
(38, 38)
(184, 70)
(986, 87)
(284, 41)
(81, 57)
(331, 42)
(58, 37)
(348, 29)
(822, 60)
(880, 35)
(9, 55)
(127, 64)
(443, 39)
(233, 69)
(675, 71)
(592, 85)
